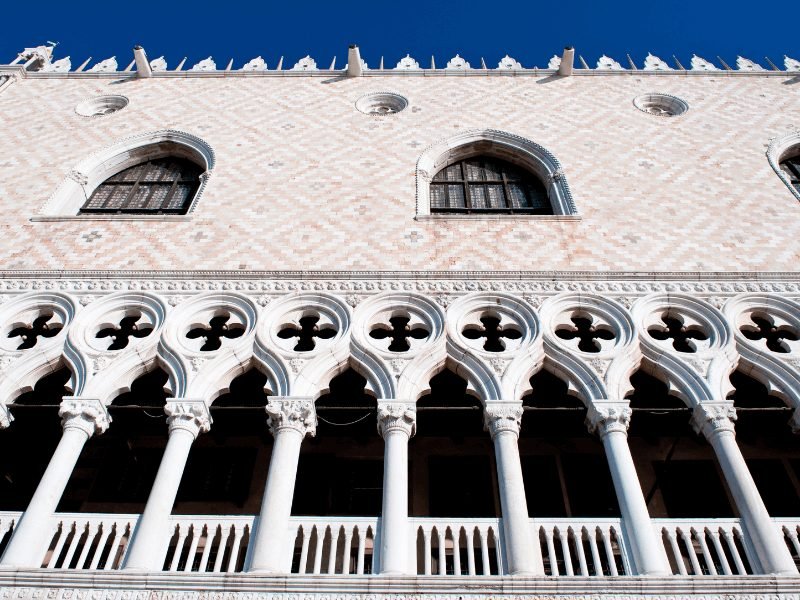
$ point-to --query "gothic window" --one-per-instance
(484, 184)
(159, 186)
(791, 167)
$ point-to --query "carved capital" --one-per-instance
(502, 417)
(189, 415)
(607, 417)
(397, 416)
(710, 418)
(292, 413)
(88, 415)
(5, 416)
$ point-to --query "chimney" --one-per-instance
(567, 60)
(354, 68)
(142, 64)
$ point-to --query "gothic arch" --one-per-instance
(93, 170)
(510, 147)
(778, 148)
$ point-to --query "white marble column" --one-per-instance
(397, 423)
(290, 420)
(80, 419)
(610, 420)
(503, 421)
(715, 421)
(186, 420)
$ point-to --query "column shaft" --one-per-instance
(394, 532)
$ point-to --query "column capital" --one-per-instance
(607, 416)
(189, 415)
(714, 417)
(87, 414)
(292, 412)
(5, 416)
(396, 416)
(502, 416)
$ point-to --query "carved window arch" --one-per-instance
(150, 175)
(493, 155)
(487, 184)
(784, 157)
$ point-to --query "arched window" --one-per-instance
(790, 165)
(488, 184)
(160, 186)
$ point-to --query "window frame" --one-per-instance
(779, 151)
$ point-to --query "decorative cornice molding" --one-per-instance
(499, 418)
(297, 414)
(86, 414)
(396, 416)
(188, 415)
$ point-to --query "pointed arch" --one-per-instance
(517, 150)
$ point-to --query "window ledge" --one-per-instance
(497, 216)
(109, 217)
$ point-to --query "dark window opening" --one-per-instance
(656, 412)
(461, 486)
(679, 482)
(485, 184)
(791, 167)
(48, 391)
(160, 186)
(333, 485)
(448, 411)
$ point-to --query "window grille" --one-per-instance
(484, 185)
(791, 166)
(160, 186)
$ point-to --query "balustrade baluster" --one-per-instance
(470, 533)
(498, 550)
(676, 551)
(197, 531)
(176, 558)
(723, 559)
(305, 531)
(223, 543)
(362, 548)
(73, 546)
(92, 529)
(612, 563)
(578, 537)
(731, 543)
(210, 535)
(238, 531)
(792, 535)
(101, 543)
(701, 538)
(564, 538)
(318, 550)
(689, 543)
(598, 564)
(441, 533)
(348, 541)
(484, 534)
(59, 545)
(332, 552)
(456, 550)
(426, 536)
(551, 551)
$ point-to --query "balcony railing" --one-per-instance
(350, 545)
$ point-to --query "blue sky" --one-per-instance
(530, 31)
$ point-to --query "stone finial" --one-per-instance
(745, 64)
(507, 63)
(158, 64)
(555, 62)
(396, 416)
(407, 64)
(608, 417)
(108, 65)
(498, 418)
(305, 64)
(701, 64)
(654, 63)
(189, 415)
(207, 64)
(62, 65)
(88, 415)
(606, 63)
(710, 418)
(292, 413)
(791, 64)
(457, 63)
(256, 64)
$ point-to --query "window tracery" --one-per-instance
(487, 184)
(791, 167)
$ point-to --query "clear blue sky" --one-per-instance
(530, 31)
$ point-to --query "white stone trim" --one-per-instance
(507, 146)
(777, 148)
(90, 172)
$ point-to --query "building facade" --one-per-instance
(448, 332)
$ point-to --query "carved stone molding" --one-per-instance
(86, 414)
(396, 416)
(711, 418)
(297, 414)
(499, 418)
(188, 415)
(604, 418)
(5, 416)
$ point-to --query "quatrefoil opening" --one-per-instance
(492, 334)
(307, 332)
(45, 325)
(211, 336)
(400, 334)
(776, 334)
(129, 328)
(587, 332)
(682, 333)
